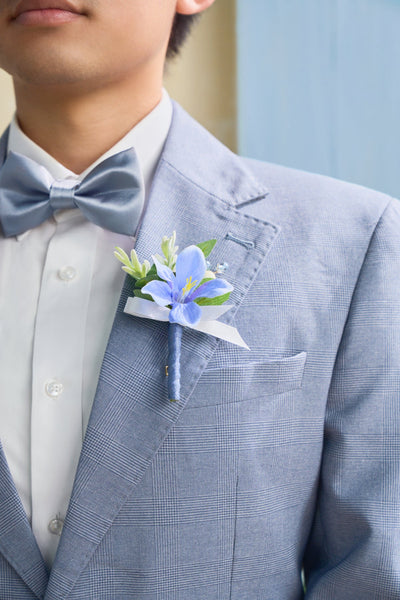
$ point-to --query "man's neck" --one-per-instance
(77, 128)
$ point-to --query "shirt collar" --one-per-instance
(147, 138)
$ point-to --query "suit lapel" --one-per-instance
(131, 414)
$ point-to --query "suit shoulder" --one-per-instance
(320, 210)
(312, 191)
(266, 190)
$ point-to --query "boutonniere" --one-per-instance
(179, 288)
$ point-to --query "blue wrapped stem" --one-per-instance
(174, 360)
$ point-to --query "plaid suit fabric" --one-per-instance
(276, 457)
(358, 503)
(18, 548)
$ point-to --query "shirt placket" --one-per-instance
(57, 372)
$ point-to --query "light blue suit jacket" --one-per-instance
(281, 456)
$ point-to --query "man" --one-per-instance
(275, 458)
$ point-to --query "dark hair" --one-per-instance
(180, 29)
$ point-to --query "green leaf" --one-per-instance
(151, 276)
(213, 301)
(144, 280)
(153, 271)
(121, 255)
(207, 247)
(130, 272)
(139, 294)
(205, 280)
(132, 265)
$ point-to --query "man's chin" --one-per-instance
(35, 71)
(46, 56)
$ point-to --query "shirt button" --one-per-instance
(67, 273)
(56, 526)
(54, 388)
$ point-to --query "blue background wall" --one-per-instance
(319, 86)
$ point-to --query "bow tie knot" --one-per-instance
(61, 195)
(111, 195)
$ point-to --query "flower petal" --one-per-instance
(185, 314)
(190, 263)
(164, 272)
(211, 289)
(160, 291)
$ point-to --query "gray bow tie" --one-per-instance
(110, 196)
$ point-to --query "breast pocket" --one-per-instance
(240, 382)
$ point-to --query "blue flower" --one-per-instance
(180, 290)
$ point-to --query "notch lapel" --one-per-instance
(131, 414)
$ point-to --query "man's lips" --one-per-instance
(45, 12)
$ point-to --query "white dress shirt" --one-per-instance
(59, 289)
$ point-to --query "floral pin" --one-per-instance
(180, 289)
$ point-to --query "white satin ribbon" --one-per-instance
(138, 307)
